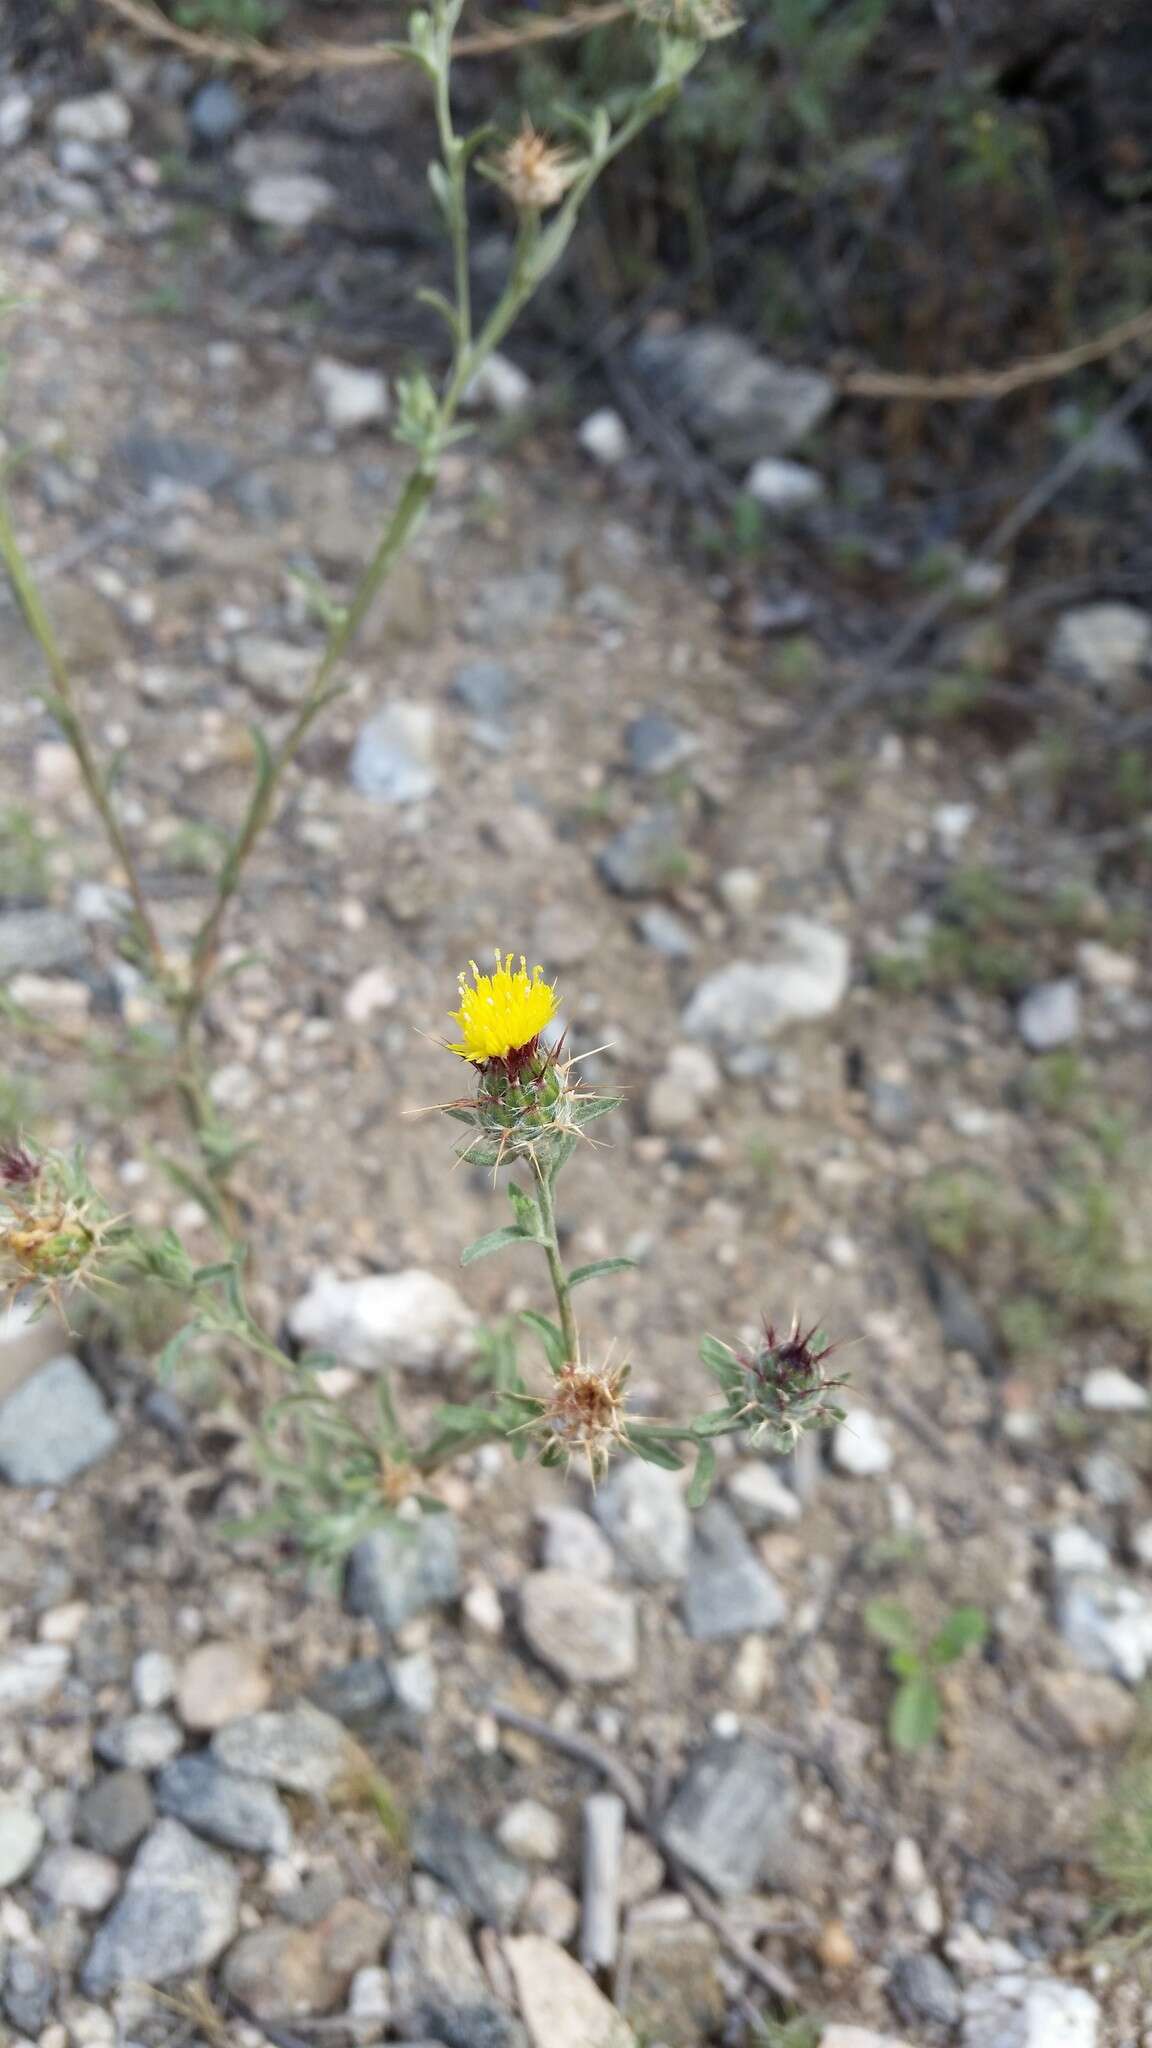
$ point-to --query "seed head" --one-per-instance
(533, 172)
(582, 1416)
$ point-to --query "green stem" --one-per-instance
(559, 1277)
(455, 163)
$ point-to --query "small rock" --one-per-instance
(1086, 1708)
(760, 1499)
(415, 1683)
(747, 1004)
(665, 932)
(290, 200)
(21, 1839)
(604, 436)
(499, 386)
(730, 1821)
(657, 745)
(487, 1881)
(1106, 969)
(78, 1880)
(1076, 1550)
(372, 992)
(562, 2007)
(860, 1445)
(1017, 2011)
(735, 400)
(97, 118)
(40, 942)
(963, 1323)
(674, 1989)
(642, 1872)
(241, 1813)
(216, 112)
(1107, 645)
(116, 1812)
(585, 1632)
(571, 1542)
(508, 607)
(1107, 1624)
(29, 1988)
(892, 1109)
(784, 487)
(839, 2036)
(1106, 1391)
(219, 1682)
(154, 1677)
(531, 1831)
(642, 1510)
(486, 687)
(741, 891)
(16, 110)
(30, 1674)
(54, 1426)
(286, 1971)
(350, 398)
(482, 1611)
(439, 1990)
(394, 755)
(1049, 1015)
(276, 670)
(369, 2004)
(411, 1319)
(729, 1592)
(298, 1748)
(404, 1568)
(690, 1081)
(177, 1912)
(551, 1909)
(646, 855)
(921, 1987)
(1108, 1479)
(139, 1742)
(357, 1693)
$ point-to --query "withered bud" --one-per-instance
(533, 172)
(18, 1169)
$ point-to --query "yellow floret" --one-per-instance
(502, 1011)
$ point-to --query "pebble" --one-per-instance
(154, 1676)
(403, 1569)
(840, 2036)
(276, 670)
(97, 118)
(487, 688)
(439, 1991)
(760, 1499)
(1108, 1391)
(373, 992)
(921, 1988)
(531, 1831)
(551, 1908)
(729, 1592)
(665, 932)
(177, 1912)
(290, 200)
(784, 487)
(30, 1674)
(1018, 2011)
(356, 1693)
(642, 1510)
(860, 1445)
(604, 436)
(139, 1742)
(240, 1813)
(488, 1882)
(350, 398)
(415, 1683)
(1107, 1624)
(741, 891)
(645, 855)
(747, 1004)
(499, 386)
(584, 1631)
(219, 1682)
(571, 1542)
(21, 1839)
(561, 2005)
(16, 110)
(657, 745)
(78, 1880)
(29, 1989)
(690, 1083)
(1075, 1549)
(287, 1971)
(393, 759)
(1107, 645)
(216, 111)
(40, 942)
(730, 1821)
(1106, 969)
(481, 1610)
(412, 1319)
(735, 399)
(508, 607)
(298, 1747)
(1049, 1015)
(369, 2004)
(54, 1426)
(1086, 1708)
(116, 1812)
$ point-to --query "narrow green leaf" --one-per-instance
(723, 1364)
(890, 1622)
(526, 1210)
(597, 1267)
(965, 1629)
(550, 1336)
(461, 1116)
(702, 1477)
(653, 1449)
(717, 1423)
(914, 1716)
(492, 1241)
(586, 1108)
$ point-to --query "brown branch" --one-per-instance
(1018, 376)
(148, 20)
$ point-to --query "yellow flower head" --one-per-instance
(502, 1014)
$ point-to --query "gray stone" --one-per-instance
(403, 1568)
(439, 1989)
(665, 932)
(178, 1912)
(357, 1693)
(116, 1812)
(298, 1748)
(487, 1881)
(54, 1425)
(21, 1839)
(1106, 1622)
(393, 758)
(289, 200)
(657, 745)
(584, 1631)
(963, 1323)
(486, 687)
(77, 1880)
(139, 1742)
(17, 108)
(509, 607)
(760, 1498)
(646, 855)
(350, 397)
(97, 118)
(1015, 2010)
(40, 942)
(415, 1684)
(730, 1821)
(1049, 1015)
(571, 1542)
(1107, 645)
(740, 403)
(642, 1509)
(893, 1109)
(273, 669)
(29, 1675)
(1108, 1479)
(216, 112)
(29, 1989)
(154, 461)
(748, 1003)
(921, 1988)
(242, 1813)
(729, 1592)
(412, 1320)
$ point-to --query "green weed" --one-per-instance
(914, 1715)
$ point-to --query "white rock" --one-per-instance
(746, 1004)
(1141, 1543)
(840, 2036)
(96, 118)
(481, 1610)
(16, 110)
(908, 1869)
(78, 1880)
(1104, 644)
(411, 1319)
(373, 991)
(1107, 1624)
(350, 397)
(30, 1674)
(1104, 968)
(288, 199)
(1049, 1015)
(782, 486)
(560, 2004)
(741, 891)
(1108, 1391)
(951, 824)
(21, 1840)
(691, 1080)
(532, 1832)
(499, 386)
(860, 1445)
(220, 1682)
(641, 1508)
(1017, 2011)
(604, 436)
(369, 2003)
(1074, 1549)
(571, 1542)
(153, 1679)
(761, 1498)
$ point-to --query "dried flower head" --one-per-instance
(698, 21)
(502, 1015)
(582, 1415)
(533, 172)
(54, 1229)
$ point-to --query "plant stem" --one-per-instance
(65, 707)
(560, 1285)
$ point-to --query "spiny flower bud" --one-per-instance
(18, 1169)
(533, 172)
(53, 1226)
(778, 1387)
